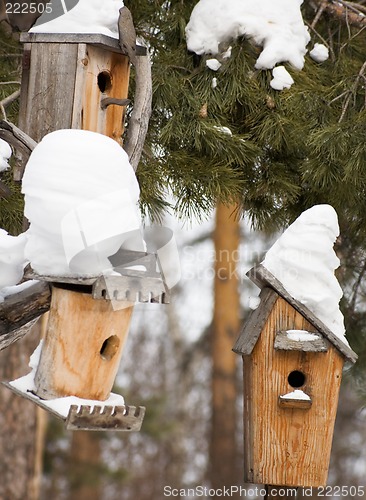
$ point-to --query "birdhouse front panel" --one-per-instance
(83, 346)
(101, 74)
(290, 401)
(66, 80)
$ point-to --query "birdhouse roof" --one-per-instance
(271, 289)
(99, 40)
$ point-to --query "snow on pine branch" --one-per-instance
(275, 25)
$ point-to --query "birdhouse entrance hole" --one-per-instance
(109, 347)
(104, 81)
(296, 379)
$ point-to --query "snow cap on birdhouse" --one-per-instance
(294, 348)
(81, 197)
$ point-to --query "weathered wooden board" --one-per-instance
(18, 312)
(119, 418)
(82, 348)
(254, 324)
(98, 40)
(286, 446)
(282, 341)
(48, 81)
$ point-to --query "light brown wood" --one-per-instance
(82, 348)
(288, 446)
(100, 74)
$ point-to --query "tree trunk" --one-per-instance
(224, 455)
(18, 423)
(85, 466)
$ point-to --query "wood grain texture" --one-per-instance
(47, 88)
(253, 326)
(77, 357)
(18, 312)
(282, 341)
(88, 112)
(288, 446)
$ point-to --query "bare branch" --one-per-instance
(139, 120)
(352, 90)
(341, 10)
(8, 100)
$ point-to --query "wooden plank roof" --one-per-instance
(271, 288)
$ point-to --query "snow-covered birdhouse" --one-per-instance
(293, 348)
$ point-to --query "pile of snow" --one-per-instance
(5, 154)
(59, 405)
(304, 261)
(320, 53)
(88, 16)
(297, 394)
(301, 335)
(277, 26)
(81, 199)
(281, 78)
(12, 260)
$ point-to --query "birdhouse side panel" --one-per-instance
(48, 84)
(291, 445)
(101, 74)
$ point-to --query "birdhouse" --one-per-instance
(292, 374)
(75, 81)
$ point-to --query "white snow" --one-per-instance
(304, 261)
(214, 82)
(12, 259)
(81, 197)
(254, 302)
(213, 64)
(5, 154)
(223, 130)
(12, 290)
(277, 26)
(281, 78)
(59, 405)
(297, 394)
(319, 53)
(301, 335)
(88, 16)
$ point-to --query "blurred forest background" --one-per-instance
(228, 196)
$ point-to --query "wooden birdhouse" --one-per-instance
(73, 81)
(292, 374)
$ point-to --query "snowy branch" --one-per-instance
(20, 309)
(349, 12)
